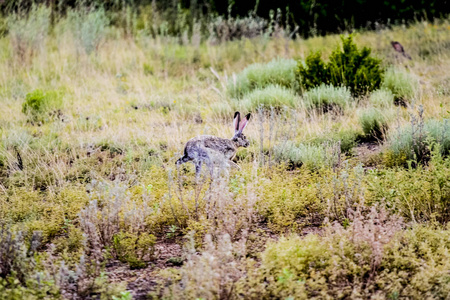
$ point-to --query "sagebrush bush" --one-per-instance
(374, 124)
(403, 85)
(327, 98)
(414, 141)
(28, 33)
(349, 67)
(42, 106)
(382, 98)
(279, 71)
(271, 96)
(89, 28)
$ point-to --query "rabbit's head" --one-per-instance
(239, 139)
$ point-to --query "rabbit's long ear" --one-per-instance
(236, 121)
(244, 123)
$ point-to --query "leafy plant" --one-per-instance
(349, 67)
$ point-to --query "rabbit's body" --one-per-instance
(221, 145)
(206, 148)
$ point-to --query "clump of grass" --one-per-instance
(327, 98)
(42, 106)
(374, 124)
(271, 96)
(279, 71)
(382, 98)
(29, 32)
(310, 156)
(89, 28)
(404, 86)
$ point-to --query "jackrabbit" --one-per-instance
(201, 148)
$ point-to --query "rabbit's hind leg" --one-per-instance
(198, 168)
(203, 157)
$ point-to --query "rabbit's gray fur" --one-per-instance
(205, 147)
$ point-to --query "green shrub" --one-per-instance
(349, 67)
(327, 97)
(42, 106)
(403, 85)
(382, 98)
(89, 28)
(270, 96)
(374, 124)
(279, 71)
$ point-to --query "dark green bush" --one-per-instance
(348, 66)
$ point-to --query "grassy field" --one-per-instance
(352, 201)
